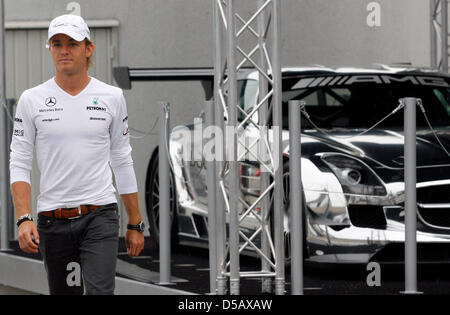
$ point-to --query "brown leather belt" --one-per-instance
(70, 213)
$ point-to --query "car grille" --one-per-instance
(434, 194)
(434, 205)
(367, 216)
(435, 217)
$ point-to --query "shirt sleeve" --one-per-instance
(120, 151)
(22, 144)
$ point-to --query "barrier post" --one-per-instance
(164, 196)
(410, 196)
(295, 185)
(211, 187)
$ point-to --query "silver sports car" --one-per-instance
(352, 174)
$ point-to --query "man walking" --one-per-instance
(78, 127)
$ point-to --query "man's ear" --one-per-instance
(90, 49)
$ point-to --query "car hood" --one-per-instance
(386, 146)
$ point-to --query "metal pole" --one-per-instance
(433, 39)
(10, 103)
(164, 195)
(4, 180)
(295, 194)
(219, 119)
(277, 126)
(266, 283)
(211, 186)
(233, 175)
(410, 196)
(220, 213)
(444, 36)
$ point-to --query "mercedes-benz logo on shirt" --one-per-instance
(50, 101)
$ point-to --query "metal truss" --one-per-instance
(439, 34)
(233, 34)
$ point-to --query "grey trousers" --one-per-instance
(80, 254)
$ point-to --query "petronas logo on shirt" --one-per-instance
(95, 101)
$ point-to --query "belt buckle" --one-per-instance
(79, 213)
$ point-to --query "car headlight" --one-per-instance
(354, 176)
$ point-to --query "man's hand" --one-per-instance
(27, 230)
(134, 241)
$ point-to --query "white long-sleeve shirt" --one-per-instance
(78, 139)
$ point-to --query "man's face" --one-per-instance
(69, 56)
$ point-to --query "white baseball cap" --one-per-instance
(70, 25)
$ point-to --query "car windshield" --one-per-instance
(360, 101)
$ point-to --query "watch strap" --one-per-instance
(23, 218)
(138, 227)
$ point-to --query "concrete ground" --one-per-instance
(190, 269)
(5, 290)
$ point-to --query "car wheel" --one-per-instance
(152, 202)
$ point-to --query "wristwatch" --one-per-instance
(138, 227)
(23, 218)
